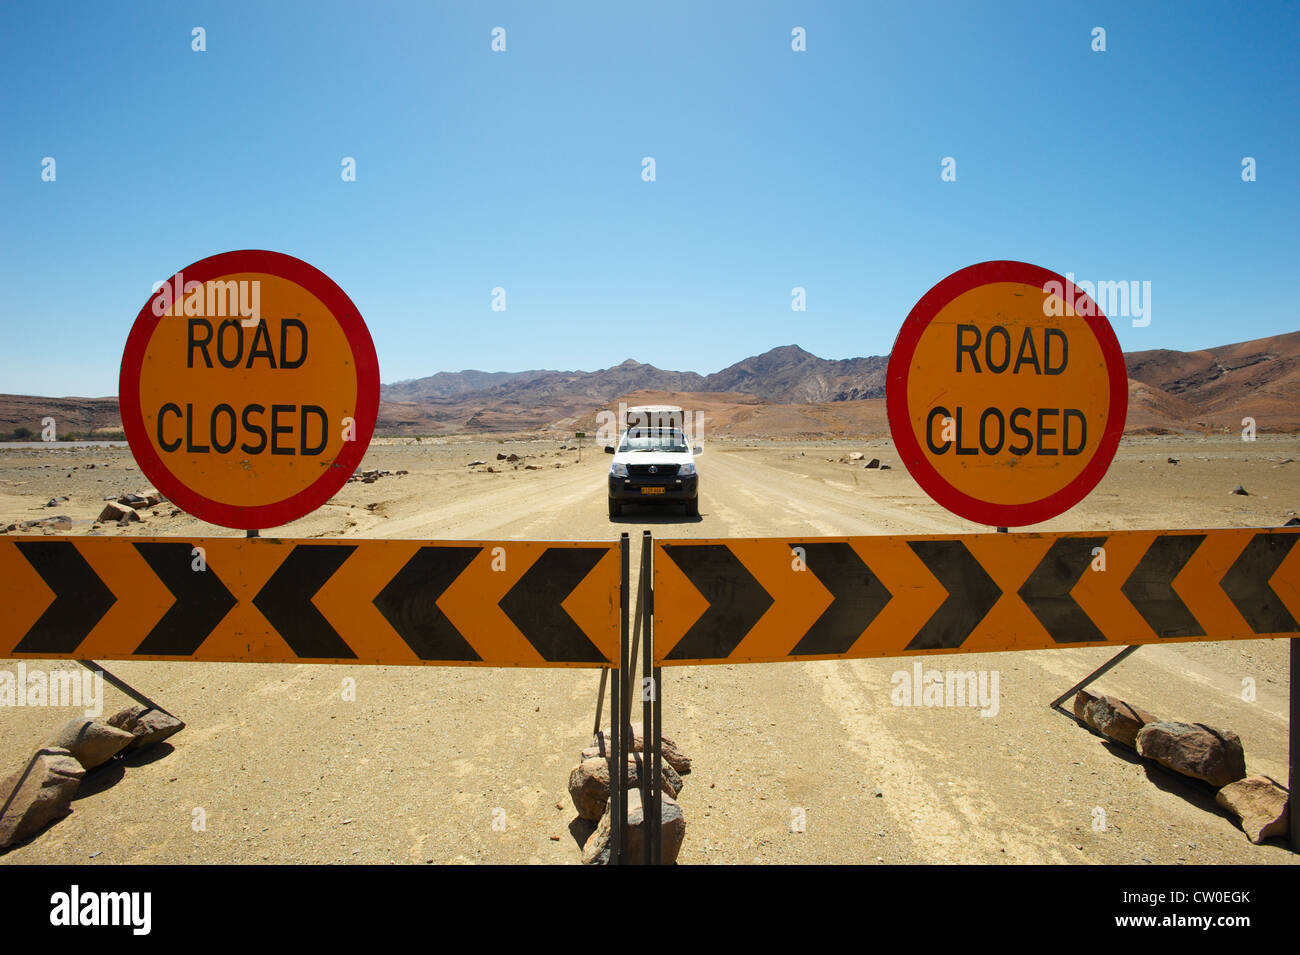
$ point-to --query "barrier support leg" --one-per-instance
(600, 706)
(1293, 731)
(1095, 674)
(617, 808)
(656, 712)
(629, 676)
(125, 687)
(647, 714)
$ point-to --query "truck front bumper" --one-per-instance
(651, 489)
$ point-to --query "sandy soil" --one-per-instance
(417, 769)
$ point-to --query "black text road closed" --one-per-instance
(249, 389)
(1006, 408)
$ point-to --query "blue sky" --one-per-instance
(522, 169)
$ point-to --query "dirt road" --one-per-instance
(279, 767)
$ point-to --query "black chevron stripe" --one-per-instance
(533, 604)
(1150, 588)
(858, 596)
(971, 594)
(80, 598)
(736, 601)
(285, 600)
(202, 600)
(1047, 590)
(1247, 584)
(408, 603)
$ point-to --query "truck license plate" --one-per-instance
(652, 490)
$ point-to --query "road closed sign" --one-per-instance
(249, 388)
(1006, 393)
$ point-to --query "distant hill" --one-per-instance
(1217, 387)
(785, 375)
(783, 391)
(79, 416)
(790, 375)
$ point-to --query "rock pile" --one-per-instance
(59, 522)
(1197, 751)
(371, 475)
(127, 508)
(40, 793)
(589, 788)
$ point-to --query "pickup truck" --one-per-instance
(654, 466)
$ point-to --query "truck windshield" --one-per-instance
(654, 439)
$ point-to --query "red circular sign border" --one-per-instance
(365, 360)
(909, 449)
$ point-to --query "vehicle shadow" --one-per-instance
(648, 514)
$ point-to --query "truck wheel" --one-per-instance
(693, 507)
(615, 508)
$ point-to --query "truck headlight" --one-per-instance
(686, 470)
(618, 470)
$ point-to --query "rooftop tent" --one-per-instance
(654, 416)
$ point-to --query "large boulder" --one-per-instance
(113, 511)
(146, 725)
(672, 831)
(38, 794)
(673, 756)
(1117, 720)
(589, 784)
(91, 742)
(1195, 750)
(1261, 805)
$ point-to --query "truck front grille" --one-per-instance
(652, 470)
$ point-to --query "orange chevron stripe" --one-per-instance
(471, 602)
(1286, 581)
(916, 596)
(1010, 624)
(244, 566)
(594, 605)
(1198, 583)
(23, 594)
(142, 599)
(346, 600)
(798, 599)
(1098, 591)
(677, 604)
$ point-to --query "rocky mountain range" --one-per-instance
(784, 375)
(784, 390)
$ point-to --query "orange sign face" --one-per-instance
(1007, 393)
(765, 600)
(249, 389)
(264, 600)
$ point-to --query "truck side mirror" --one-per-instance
(608, 449)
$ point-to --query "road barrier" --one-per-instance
(567, 604)
(785, 599)
(265, 600)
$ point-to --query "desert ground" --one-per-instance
(416, 769)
